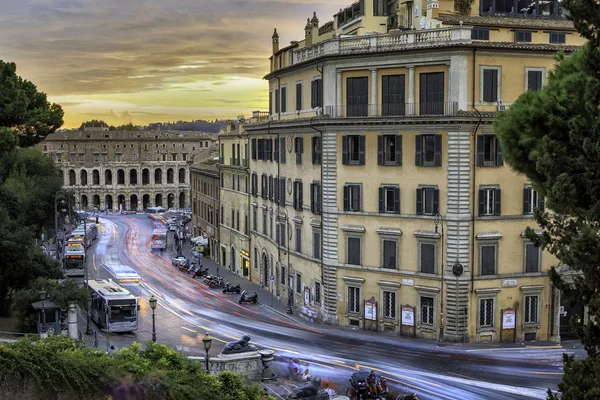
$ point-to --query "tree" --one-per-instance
(126, 127)
(94, 123)
(552, 136)
(24, 110)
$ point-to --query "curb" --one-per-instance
(284, 315)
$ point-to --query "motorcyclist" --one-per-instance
(373, 384)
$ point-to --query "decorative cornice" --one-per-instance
(389, 231)
(353, 228)
(427, 234)
(489, 236)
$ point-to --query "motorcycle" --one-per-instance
(248, 298)
(231, 288)
(199, 273)
(215, 282)
(192, 267)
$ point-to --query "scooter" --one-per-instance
(247, 298)
(231, 288)
(216, 282)
(199, 273)
(192, 267)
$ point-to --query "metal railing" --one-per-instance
(393, 110)
(234, 161)
(397, 40)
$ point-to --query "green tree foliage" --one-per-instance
(60, 293)
(553, 137)
(94, 123)
(25, 110)
(62, 368)
(126, 127)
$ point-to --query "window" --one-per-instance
(523, 36)
(489, 152)
(353, 300)
(281, 190)
(489, 202)
(281, 234)
(59, 157)
(427, 310)
(299, 149)
(487, 259)
(299, 239)
(389, 305)
(298, 283)
(174, 156)
(254, 184)
(534, 79)
(298, 96)
(270, 190)
(298, 195)
(271, 225)
(380, 7)
(318, 292)
(428, 199)
(357, 97)
(222, 214)
(480, 34)
(118, 158)
(277, 100)
(270, 102)
(389, 249)
(283, 99)
(389, 150)
(532, 258)
(282, 150)
(316, 93)
(315, 198)
(317, 244)
(264, 231)
(432, 96)
(237, 220)
(353, 150)
(392, 98)
(255, 258)
(530, 310)
(490, 88)
(276, 150)
(254, 149)
(531, 201)
(282, 275)
(233, 181)
(232, 224)
(486, 313)
(389, 199)
(353, 250)
(428, 151)
(427, 258)
(352, 198)
(316, 150)
(558, 38)
(264, 187)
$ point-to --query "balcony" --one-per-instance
(424, 109)
(378, 43)
(234, 161)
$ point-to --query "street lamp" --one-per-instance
(88, 330)
(43, 295)
(207, 341)
(439, 220)
(152, 302)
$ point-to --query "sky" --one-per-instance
(144, 61)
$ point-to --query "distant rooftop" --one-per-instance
(129, 135)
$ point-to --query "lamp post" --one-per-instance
(207, 341)
(439, 220)
(60, 195)
(88, 330)
(153, 302)
(43, 295)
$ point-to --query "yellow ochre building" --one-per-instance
(378, 195)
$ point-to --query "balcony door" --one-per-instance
(357, 97)
(431, 94)
(393, 90)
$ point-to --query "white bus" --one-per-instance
(159, 239)
(122, 273)
(156, 214)
(113, 308)
(74, 258)
(89, 232)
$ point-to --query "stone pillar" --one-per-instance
(338, 97)
(266, 357)
(72, 320)
(411, 91)
(373, 102)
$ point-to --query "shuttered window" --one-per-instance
(534, 80)
(490, 85)
(428, 200)
(298, 195)
(490, 202)
(316, 150)
(353, 250)
(427, 258)
(357, 97)
(393, 95)
(299, 149)
(487, 259)
(352, 198)
(428, 150)
(431, 93)
(299, 96)
(316, 93)
(489, 151)
(353, 150)
(389, 150)
(315, 198)
(532, 258)
(389, 199)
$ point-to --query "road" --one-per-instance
(187, 309)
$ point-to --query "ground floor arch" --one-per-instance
(84, 201)
(145, 201)
(182, 200)
(96, 201)
(133, 202)
(170, 200)
(158, 200)
(121, 202)
(108, 201)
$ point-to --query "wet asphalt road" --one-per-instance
(187, 309)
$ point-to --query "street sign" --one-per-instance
(508, 319)
(371, 309)
(272, 277)
(408, 315)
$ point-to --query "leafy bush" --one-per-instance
(58, 367)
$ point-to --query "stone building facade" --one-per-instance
(205, 205)
(126, 170)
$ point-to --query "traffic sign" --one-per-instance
(272, 277)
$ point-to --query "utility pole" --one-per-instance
(88, 331)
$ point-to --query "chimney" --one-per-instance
(308, 39)
(229, 127)
(315, 21)
(275, 38)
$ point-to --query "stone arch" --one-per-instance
(145, 201)
(84, 201)
(120, 177)
(158, 176)
(181, 175)
(145, 176)
(265, 268)
(170, 175)
(95, 177)
(121, 202)
(133, 202)
(182, 200)
(96, 201)
(133, 176)
(170, 200)
(72, 177)
(108, 201)
(158, 200)
(108, 177)
(83, 175)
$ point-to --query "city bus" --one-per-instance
(89, 233)
(74, 258)
(113, 308)
(122, 273)
(156, 214)
(159, 239)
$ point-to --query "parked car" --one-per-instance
(180, 262)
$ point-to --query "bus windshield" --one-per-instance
(122, 312)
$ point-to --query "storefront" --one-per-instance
(245, 263)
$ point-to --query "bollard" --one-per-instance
(266, 357)
(72, 320)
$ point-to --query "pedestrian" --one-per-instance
(330, 392)
(111, 350)
(306, 375)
